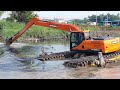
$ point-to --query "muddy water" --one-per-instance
(18, 62)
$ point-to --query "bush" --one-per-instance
(2, 24)
(10, 28)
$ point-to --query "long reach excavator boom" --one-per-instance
(38, 22)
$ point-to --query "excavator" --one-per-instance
(81, 42)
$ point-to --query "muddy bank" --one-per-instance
(94, 33)
(115, 33)
(40, 39)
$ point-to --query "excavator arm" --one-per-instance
(49, 24)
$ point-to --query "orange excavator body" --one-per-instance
(79, 40)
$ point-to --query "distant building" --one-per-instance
(105, 23)
(60, 20)
(92, 23)
(116, 23)
(50, 20)
(110, 23)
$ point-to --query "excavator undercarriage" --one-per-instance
(81, 59)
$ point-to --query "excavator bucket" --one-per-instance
(8, 42)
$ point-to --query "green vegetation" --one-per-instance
(102, 17)
(21, 16)
(88, 27)
(8, 29)
(18, 19)
(1, 12)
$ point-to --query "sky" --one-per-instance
(67, 14)
(72, 14)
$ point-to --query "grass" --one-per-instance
(8, 29)
(88, 27)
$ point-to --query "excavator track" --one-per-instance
(57, 56)
(92, 60)
(79, 59)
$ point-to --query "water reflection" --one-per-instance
(50, 42)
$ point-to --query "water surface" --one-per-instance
(18, 62)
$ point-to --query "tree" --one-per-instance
(86, 20)
(76, 21)
(103, 17)
(21, 16)
(1, 23)
(92, 18)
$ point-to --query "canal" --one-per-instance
(18, 62)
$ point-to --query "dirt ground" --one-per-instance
(114, 33)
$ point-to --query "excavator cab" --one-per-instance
(76, 38)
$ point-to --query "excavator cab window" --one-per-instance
(75, 39)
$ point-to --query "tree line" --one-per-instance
(25, 16)
(20, 16)
(103, 17)
(100, 18)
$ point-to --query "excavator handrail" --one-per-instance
(49, 24)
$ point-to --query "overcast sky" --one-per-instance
(68, 14)
(72, 14)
